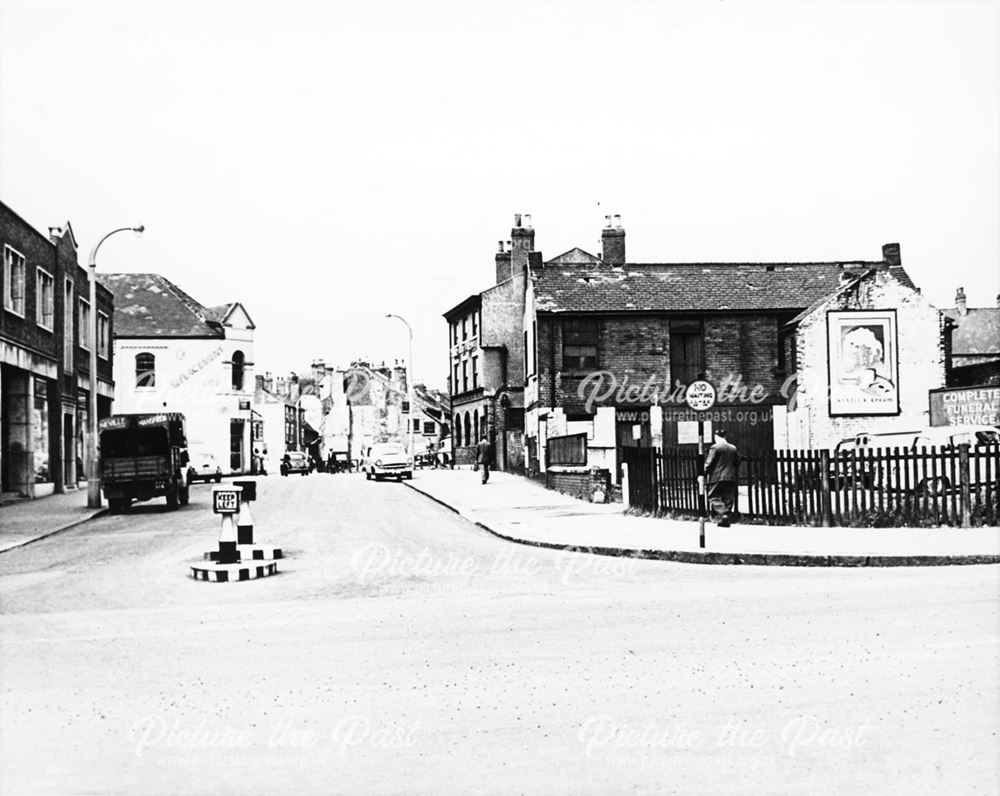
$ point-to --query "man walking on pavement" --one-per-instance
(720, 476)
(483, 457)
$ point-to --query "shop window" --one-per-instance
(43, 473)
(579, 344)
(145, 371)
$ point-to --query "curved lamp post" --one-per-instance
(94, 474)
(409, 383)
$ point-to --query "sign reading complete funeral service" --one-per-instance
(965, 406)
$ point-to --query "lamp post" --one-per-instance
(94, 475)
(409, 382)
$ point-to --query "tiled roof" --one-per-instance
(976, 333)
(218, 314)
(588, 285)
(148, 305)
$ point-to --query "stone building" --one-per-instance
(45, 359)
(175, 354)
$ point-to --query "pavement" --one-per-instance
(520, 510)
(28, 521)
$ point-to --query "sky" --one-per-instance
(326, 163)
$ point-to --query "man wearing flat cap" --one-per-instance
(721, 465)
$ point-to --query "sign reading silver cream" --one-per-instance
(863, 362)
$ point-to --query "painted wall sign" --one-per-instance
(863, 362)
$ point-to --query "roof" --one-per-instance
(976, 333)
(149, 305)
(578, 282)
(846, 285)
(464, 306)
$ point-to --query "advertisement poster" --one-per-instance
(864, 363)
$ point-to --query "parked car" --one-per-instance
(203, 467)
(295, 462)
(387, 460)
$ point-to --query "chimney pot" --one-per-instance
(960, 303)
(618, 222)
(607, 222)
(500, 246)
(517, 219)
(527, 220)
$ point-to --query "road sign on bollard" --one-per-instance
(226, 501)
(700, 396)
(244, 520)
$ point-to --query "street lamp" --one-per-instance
(94, 476)
(409, 382)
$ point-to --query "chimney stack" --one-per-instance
(613, 241)
(891, 254)
(502, 262)
(522, 242)
(960, 304)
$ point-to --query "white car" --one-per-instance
(387, 460)
(203, 467)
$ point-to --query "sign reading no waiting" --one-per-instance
(700, 396)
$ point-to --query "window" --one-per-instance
(686, 361)
(465, 328)
(579, 344)
(429, 427)
(238, 367)
(103, 329)
(13, 281)
(84, 324)
(475, 324)
(458, 431)
(416, 425)
(468, 431)
(45, 299)
(465, 375)
(475, 425)
(534, 347)
(475, 372)
(145, 371)
(69, 338)
(454, 384)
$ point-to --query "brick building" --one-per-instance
(612, 346)
(866, 357)
(45, 359)
(486, 357)
(175, 354)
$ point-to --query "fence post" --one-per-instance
(965, 493)
(825, 508)
(626, 503)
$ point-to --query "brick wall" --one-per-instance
(580, 483)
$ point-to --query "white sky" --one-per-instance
(326, 163)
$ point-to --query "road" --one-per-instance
(404, 650)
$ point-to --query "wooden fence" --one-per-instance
(930, 486)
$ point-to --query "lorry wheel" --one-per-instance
(185, 495)
(172, 500)
(368, 475)
(118, 505)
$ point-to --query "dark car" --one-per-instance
(295, 462)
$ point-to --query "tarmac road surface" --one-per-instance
(404, 650)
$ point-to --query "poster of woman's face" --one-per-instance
(863, 363)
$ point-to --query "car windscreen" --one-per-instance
(134, 442)
(387, 450)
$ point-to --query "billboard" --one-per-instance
(965, 406)
(863, 362)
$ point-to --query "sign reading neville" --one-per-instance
(965, 406)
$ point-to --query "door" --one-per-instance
(236, 446)
(631, 431)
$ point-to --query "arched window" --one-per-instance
(145, 370)
(238, 361)
(475, 426)
(468, 431)
(458, 431)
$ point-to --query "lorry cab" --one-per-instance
(143, 456)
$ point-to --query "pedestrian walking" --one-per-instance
(483, 457)
(721, 466)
